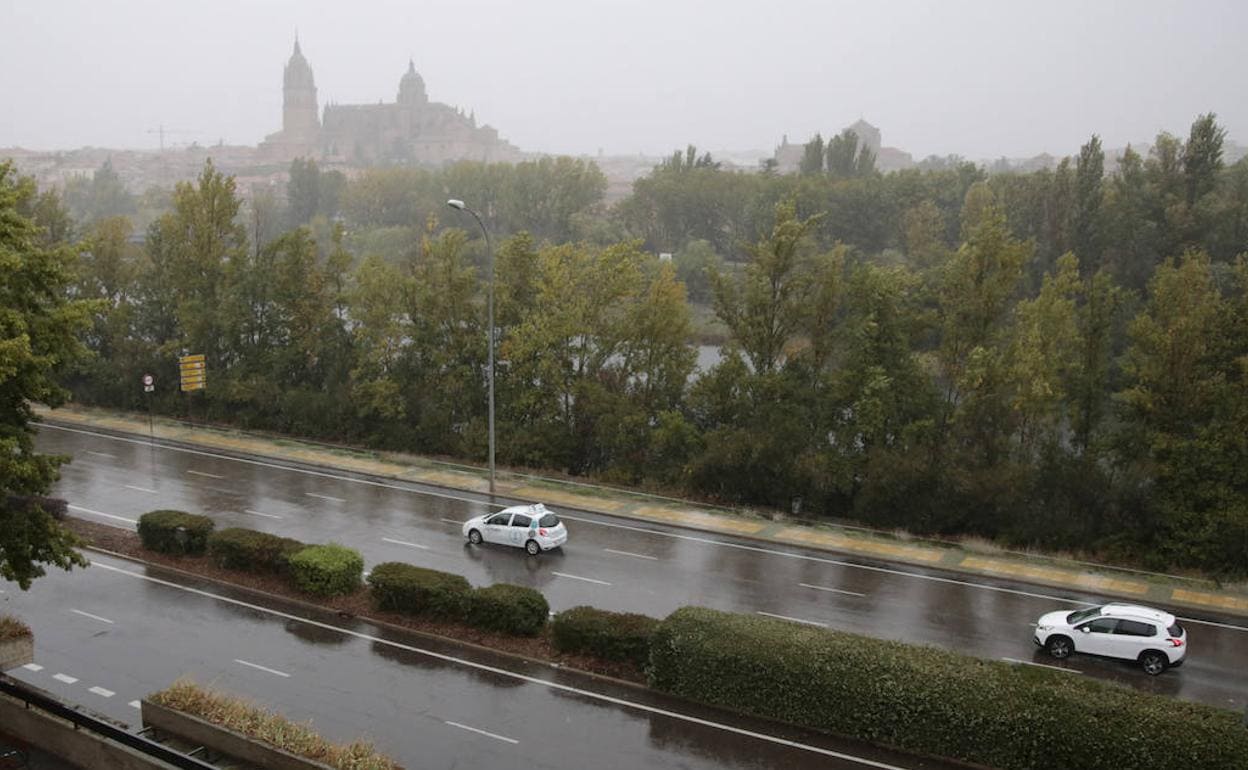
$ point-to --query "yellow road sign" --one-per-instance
(192, 386)
(198, 358)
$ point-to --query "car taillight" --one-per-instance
(1176, 642)
(542, 532)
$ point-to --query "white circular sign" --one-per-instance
(147, 379)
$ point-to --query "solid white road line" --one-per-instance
(206, 474)
(102, 454)
(831, 590)
(578, 577)
(135, 704)
(65, 678)
(325, 497)
(89, 615)
(452, 521)
(589, 694)
(629, 553)
(265, 515)
(263, 668)
(140, 489)
(102, 692)
(794, 620)
(481, 732)
(33, 667)
(404, 542)
(1042, 665)
(101, 513)
(674, 535)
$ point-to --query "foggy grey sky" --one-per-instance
(981, 79)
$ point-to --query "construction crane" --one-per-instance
(161, 131)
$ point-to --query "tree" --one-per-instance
(1085, 226)
(1202, 157)
(812, 157)
(303, 192)
(38, 328)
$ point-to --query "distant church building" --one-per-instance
(412, 130)
(788, 156)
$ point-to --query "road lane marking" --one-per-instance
(630, 553)
(93, 617)
(265, 515)
(578, 577)
(33, 667)
(674, 535)
(102, 454)
(556, 686)
(794, 620)
(263, 668)
(452, 521)
(325, 497)
(404, 542)
(1042, 665)
(65, 678)
(102, 692)
(206, 474)
(134, 704)
(831, 590)
(101, 513)
(481, 732)
(141, 489)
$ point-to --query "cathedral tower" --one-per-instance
(300, 124)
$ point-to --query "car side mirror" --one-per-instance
(1086, 630)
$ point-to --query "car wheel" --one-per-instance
(1059, 647)
(474, 537)
(533, 548)
(1153, 662)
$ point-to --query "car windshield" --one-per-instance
(549, 520)
(1081, 615)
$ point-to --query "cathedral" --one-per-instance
(410, 131)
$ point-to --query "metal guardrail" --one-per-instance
(83, 721)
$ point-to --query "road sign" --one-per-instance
(148, 388)
(148, 380)
(193, 372)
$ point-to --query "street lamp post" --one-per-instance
(489, 253)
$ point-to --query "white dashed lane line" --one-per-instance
(101, 454)
(578, 577)
(134, 704)
(66, 678)
(404, 542)
(1041, 665)
(261, 514)
(80, 509)
(93, 617)
(100, 691)
(330, 498)
(832, 590)
(33, 667)
(140, 489)
(630, 553)
(452, 521)
(205, 474)
(263, 668)
(495, 736)
(794, 620)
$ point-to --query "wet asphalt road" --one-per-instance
(620, 564)
(107, 636)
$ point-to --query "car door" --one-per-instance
(518, 532)
(495, 528)
(1133, 637)
(1096, 637)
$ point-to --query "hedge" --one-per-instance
(248, 549)
(622, 636)
(326, 570)
(508, 608)
(418, 591)
(175, 532)
(933, 701)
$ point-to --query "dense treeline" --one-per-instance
(1054, 358)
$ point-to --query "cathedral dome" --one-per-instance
(412, 87)
(298, 71)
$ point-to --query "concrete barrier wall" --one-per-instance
(236, 745)
(78, 747)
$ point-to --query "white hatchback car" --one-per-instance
(1152, 637)
(535, 528)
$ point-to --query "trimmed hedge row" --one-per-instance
(175, 532)
(253, 551)
(413, 590)
(933, 701)
(326, 570)
(508, 609)
(622, 636)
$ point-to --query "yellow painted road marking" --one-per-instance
(1055, 575)
(567, 498)
(1211, 600)
(856, 545)
(700, 519)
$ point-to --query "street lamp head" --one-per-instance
(456, 204)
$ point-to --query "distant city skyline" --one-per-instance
(978, 79)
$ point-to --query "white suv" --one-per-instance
(1127, 631)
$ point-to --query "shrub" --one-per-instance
(326, 570)
(418, 591)
(622, 636)
(274, 729)
(12, 628)
(933, 701)
(247, 549)
(509, 609)
(175, 532)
